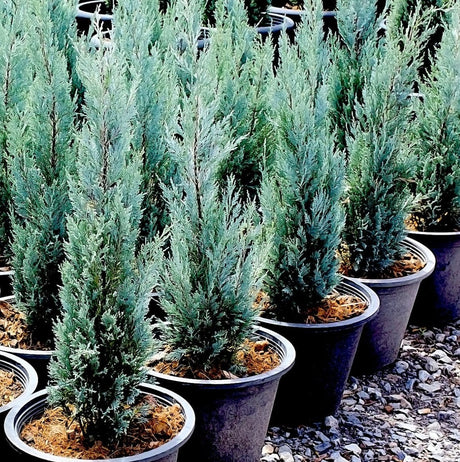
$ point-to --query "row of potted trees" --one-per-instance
(218, 212)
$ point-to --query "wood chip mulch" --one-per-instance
(256, 357)
(10, 387)
(55, 433)
(335, 307)
(14, 332)
(408, 264)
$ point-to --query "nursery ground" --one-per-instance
(409, 411)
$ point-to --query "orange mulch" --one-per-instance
(445, 222)
(13, 329)
(335, 307)
(55, 433)
(10, 387)
(255, 357)
(408, 264)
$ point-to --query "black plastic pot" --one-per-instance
(271, 25)
(27, 376)
(86, 13)
(438, 299)
(313, 388)
(6, 283)
(381, 338)
(329, 18)
(36, 403)
(232, 415)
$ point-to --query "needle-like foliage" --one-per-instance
(41, 150)
(302, 191)
(212, 273)
(436, 132)
(15, 77)
(380, 164)
(104, 338)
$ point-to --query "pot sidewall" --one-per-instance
(324, 355)
(438, 299)
(27, 376)
(381, 338)
(232, 415)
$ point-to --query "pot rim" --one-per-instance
(421, 251)
(351, 323)
(286, 23)
(292, 12)
(435, 233)
(24, 372)
(35, 403)
(282, 345)
(89, 15)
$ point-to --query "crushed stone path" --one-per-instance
(408, 411)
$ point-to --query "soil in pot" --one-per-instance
(56, 433)
(10, 387)
(255, 356)
(166, 424)
(18, 380)
(15, 339)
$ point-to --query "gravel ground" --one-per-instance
(408, 411)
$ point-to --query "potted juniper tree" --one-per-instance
(40, 153)
(139, 35)
(15, 76)
(104, 338)
(208, 286)
(307, 300)
(435, 221)
(375, 248)
(355, 48)
(243, 69)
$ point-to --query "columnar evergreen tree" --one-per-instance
(301, 194)
(41, 148)
(380, 164)
(436, 133)
(64, 29)
(139, 26)
(210, 279)
(243, 68)
(355, 51)
(15, 76)
(104, 338)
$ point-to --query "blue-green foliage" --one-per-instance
(213, 271)
(15, 77)
(379, 160)
(104, 338)
(379, 168)
(436, 132)
(243, 67)
(40, 145)
(302, 191)
(355, 51)
(139, 27)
